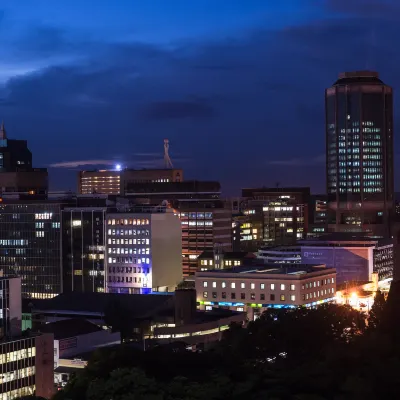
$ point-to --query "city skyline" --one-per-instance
(224, 83)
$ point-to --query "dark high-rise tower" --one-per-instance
(359, 153)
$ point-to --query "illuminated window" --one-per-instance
(292, 297)
(282, 286)
(205, 284)
(76, 222)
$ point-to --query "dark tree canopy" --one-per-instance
(323, 353)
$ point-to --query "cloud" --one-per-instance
(300, 162)
(74, 164)
(177, 110)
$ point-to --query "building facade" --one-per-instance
(27, 367)
(359, 153)
(269, 286)
(83, 245)
(99, 181)
(144, 251)
(354, 256)
(30, 245)
(204, 228)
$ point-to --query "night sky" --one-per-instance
(236, 86)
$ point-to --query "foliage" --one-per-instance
(312, 354)
(377, 311)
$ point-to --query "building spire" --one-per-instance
(3, 134)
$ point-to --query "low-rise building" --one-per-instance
(280, 255)
(224, 259)
(354, 256)
(254, 289)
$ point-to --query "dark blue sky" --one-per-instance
(236, 86)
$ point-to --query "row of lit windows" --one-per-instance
(129, 270)
(44, 216)
(197, 223)
(129, 241)
(17, 355)
(206, 262)
(118, 250)
(127, 260)
(282, 297)
(13, 242)
(198, 215)
(126, 279)
(252, 285)
(283, 286)
(128, 221)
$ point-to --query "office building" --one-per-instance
(354, 256)
(173, 192)
(10, 307)
(83, 244)
(30, 243)
(206, 226)
(280, 254)
(27, 367)
(318, 215)
(144, 250)
(359, 159)
(224, 259)
(121, 181)
(26, 363)
(272, 216)
(16, 171)
(99, 181)
(254, 289)
(272, 222)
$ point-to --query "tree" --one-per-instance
(125, 384)
(377, 311)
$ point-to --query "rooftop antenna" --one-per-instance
(167, 159)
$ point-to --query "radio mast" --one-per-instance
(167, 159)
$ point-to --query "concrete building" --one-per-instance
(77, 335)
(273, 216)
(254, 289)
(83, 244)
(119, 181)
(205, 227)
(100, 181)
(354, 256)
(224, 259)
(26, 362)
(144, 250)
(359, 153)
(30, 242)
(280, 255)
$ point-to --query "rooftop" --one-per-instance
(140, 305)
(350, 238)
(229, 255)
(272, 269)
(359, 77)
(67, 328)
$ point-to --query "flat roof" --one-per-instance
(140, 305)
(67, 328)
(347, 238)
(273, 269)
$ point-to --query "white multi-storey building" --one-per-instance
(144, 251)
(254, 289)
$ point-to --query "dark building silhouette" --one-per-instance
(16, 171)
(83, 245)
(359, 153)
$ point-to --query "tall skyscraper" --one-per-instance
(359, 153)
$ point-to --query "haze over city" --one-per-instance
(237, 87)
